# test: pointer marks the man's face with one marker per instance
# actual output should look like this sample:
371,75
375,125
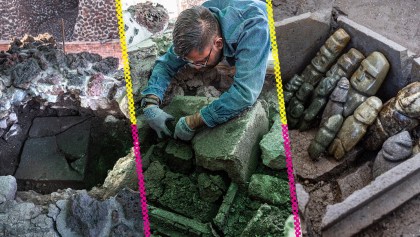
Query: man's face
209,57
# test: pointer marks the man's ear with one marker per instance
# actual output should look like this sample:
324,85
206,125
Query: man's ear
219,43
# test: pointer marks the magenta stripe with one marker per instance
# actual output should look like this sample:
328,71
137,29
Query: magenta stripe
142,188
289,165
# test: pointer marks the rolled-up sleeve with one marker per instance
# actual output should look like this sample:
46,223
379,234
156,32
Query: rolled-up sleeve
253,47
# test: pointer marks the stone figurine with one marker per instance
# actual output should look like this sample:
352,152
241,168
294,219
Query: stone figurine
395,150
337,100
399,113
291,87
355,126
325,57
296,105
321,93
365,82
347,64
325,136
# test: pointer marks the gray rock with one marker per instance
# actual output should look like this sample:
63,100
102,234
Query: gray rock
272,147
233,146
23,73
208,91
299,38
74,142
269,189
394,151
367,41
13,131
8,187
303,198
355,181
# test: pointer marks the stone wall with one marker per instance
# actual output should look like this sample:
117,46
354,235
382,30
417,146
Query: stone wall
84,20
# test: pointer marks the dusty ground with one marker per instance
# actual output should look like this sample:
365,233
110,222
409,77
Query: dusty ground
396,20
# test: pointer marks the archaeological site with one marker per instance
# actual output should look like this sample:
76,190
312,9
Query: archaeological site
350,75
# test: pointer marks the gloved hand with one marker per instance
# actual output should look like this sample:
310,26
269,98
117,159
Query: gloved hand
156,118
185,128
183,131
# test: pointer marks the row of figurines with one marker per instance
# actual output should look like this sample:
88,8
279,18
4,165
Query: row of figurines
347,108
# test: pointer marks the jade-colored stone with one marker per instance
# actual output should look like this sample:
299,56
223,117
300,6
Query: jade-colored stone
272,147
269,189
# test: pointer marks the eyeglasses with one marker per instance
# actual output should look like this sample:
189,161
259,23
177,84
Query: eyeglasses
198,64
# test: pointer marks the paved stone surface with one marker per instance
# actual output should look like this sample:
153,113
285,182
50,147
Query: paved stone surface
269,189
272,147
362,208
39,163
322,169
299,38
233,146
355,181
367,41
8,187
50,126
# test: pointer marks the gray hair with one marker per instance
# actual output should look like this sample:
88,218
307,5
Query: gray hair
194,29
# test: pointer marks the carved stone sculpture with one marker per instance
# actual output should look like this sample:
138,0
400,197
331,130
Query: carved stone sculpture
394,151
325,136
297,105
399,113
321,93
325,57
355,126
347,64
337,99
366,81
291,87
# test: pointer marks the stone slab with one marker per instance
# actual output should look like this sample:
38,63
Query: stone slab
269,189
298,39
355,181
173,224
39,163
415,70
368,205
400,59
50,126
322,169
272,147
233,147
74,142
222,215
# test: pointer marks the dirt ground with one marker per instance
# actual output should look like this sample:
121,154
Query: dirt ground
396,20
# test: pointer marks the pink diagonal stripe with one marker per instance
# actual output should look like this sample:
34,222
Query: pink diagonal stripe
289,165
142,188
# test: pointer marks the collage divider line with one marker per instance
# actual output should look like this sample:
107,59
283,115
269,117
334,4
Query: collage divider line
283,119
134,129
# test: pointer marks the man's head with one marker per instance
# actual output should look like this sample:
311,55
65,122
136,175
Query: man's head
197,38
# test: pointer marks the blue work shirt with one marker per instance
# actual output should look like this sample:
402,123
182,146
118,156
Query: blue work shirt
246,37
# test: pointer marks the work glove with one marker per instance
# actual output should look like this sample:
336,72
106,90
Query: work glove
157,118
185,128
183,131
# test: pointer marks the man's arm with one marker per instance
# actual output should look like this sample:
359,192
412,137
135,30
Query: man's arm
251,62
163,71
